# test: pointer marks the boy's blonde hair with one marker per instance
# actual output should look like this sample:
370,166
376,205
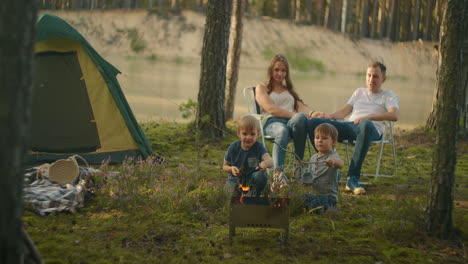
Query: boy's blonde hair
327,129
249,122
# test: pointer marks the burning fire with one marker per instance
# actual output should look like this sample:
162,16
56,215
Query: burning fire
280,203
244,188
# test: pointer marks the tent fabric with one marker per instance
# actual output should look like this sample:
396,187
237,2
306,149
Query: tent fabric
117,135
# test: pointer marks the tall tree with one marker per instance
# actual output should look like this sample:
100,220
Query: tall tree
383,18
283,10
375,19
438,19
391,28
17,36
344,13
175,4
365,19
465,73
357,25
428,17
416,19
213,69
335,14
405,11
235,47
322,14
296,10
438,215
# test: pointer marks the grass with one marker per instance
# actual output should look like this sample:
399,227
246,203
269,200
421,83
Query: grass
177,212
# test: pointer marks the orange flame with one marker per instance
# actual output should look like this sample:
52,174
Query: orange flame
244,188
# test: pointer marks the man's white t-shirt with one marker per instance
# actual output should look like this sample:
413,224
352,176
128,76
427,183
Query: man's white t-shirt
366,103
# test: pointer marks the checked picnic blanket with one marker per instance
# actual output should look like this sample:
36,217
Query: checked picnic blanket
45,196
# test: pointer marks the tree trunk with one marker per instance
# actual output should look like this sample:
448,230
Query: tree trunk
357,25
392,20
175,4
438,215
416,20
405,17
344,12
138,3
283,8
17,37
438,19
336,15
308,10
465,72
365,19
383,19
297,10
375,19
322,14
213,69
235,47
428,14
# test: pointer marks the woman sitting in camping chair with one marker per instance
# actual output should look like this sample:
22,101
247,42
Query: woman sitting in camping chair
287,113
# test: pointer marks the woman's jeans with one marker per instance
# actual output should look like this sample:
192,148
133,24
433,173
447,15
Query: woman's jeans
363,134
282,130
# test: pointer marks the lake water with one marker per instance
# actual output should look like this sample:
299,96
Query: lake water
155,90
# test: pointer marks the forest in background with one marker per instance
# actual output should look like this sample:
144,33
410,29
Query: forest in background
395,20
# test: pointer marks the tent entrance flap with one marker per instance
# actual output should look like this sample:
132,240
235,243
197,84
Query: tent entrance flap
62,120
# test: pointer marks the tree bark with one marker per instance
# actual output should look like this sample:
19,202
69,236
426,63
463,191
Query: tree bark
428,15
297,10
357,25
336,14
391,26
375,19
235,48
438,19
465,72
175,4
322,14
344,12
383,19
213,69
438,215
406,21
17,37
416,20
365,19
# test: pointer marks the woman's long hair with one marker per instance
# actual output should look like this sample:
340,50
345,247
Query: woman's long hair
287,79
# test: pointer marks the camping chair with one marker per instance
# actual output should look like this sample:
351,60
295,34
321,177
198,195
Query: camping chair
253,109
387,138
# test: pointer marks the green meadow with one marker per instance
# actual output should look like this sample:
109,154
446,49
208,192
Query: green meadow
177,212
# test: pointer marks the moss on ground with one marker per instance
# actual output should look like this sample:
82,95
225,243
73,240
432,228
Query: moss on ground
177,212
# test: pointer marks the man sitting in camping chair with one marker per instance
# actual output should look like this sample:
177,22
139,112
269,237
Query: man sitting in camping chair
368,107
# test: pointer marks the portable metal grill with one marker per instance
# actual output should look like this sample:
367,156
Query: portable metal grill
260,212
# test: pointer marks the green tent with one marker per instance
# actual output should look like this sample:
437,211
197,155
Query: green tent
78,106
